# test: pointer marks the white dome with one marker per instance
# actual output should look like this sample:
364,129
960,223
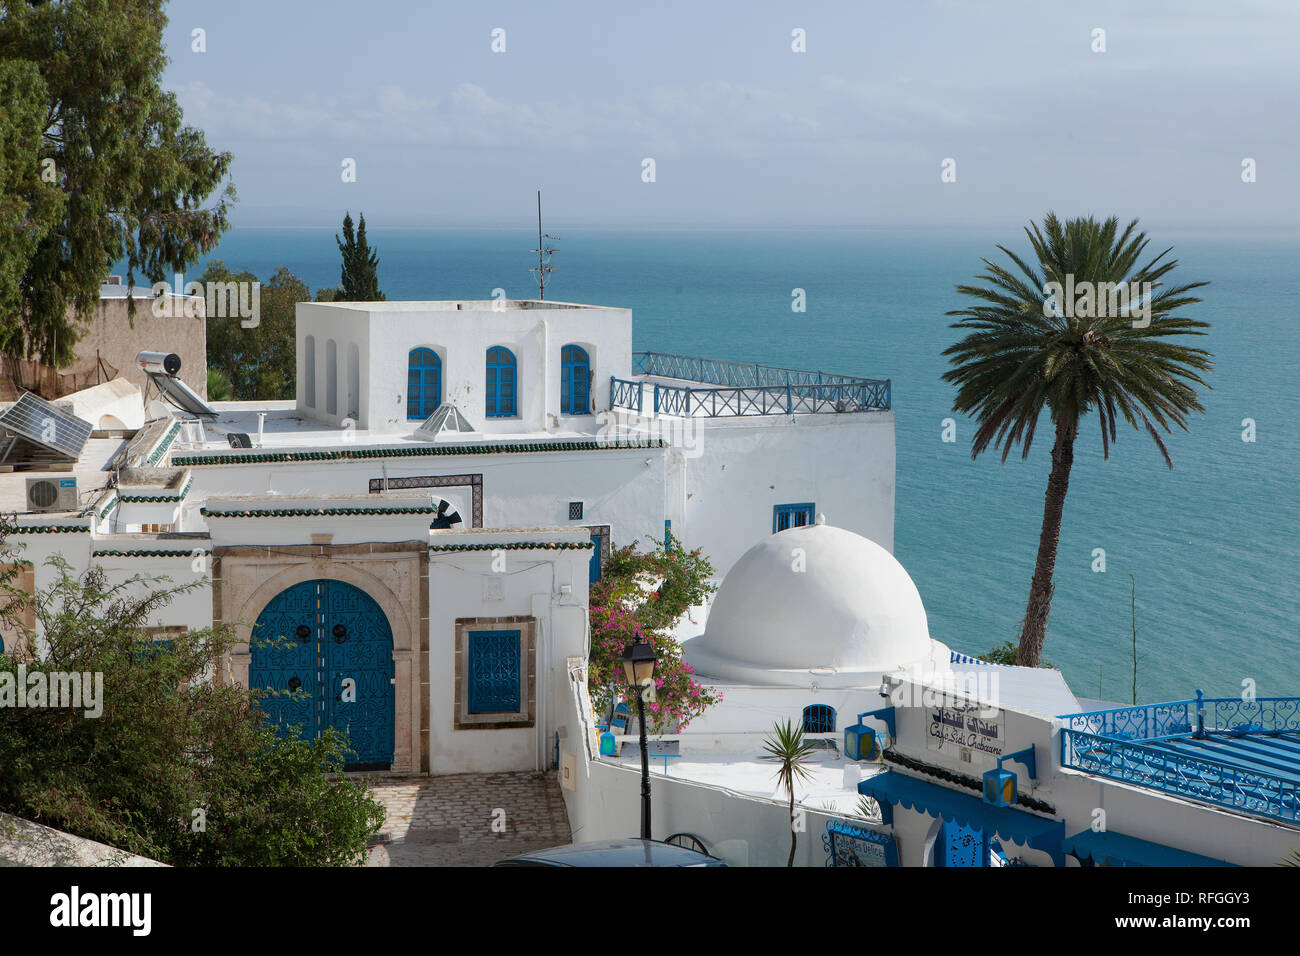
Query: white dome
814,603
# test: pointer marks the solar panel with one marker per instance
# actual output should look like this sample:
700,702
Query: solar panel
181,395
41,423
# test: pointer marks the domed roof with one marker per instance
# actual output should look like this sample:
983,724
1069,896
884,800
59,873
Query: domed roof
819,599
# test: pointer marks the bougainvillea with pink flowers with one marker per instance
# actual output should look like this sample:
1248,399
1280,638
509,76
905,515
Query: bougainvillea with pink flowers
643,595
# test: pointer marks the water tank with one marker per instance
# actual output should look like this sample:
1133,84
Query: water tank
159,363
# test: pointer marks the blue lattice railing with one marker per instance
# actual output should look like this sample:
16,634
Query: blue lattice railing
1138,745
734,389
624,394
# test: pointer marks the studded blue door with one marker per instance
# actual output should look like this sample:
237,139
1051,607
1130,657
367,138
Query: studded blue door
960,845
340,654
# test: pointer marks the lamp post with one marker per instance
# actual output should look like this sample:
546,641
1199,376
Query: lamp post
638,667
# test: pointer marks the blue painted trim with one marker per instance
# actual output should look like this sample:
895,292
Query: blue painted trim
1025,757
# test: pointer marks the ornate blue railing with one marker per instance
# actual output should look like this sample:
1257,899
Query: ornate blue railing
736,389
1125,743
1198,716
624,394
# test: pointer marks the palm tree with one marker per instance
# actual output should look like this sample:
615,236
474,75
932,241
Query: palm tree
791,751
1027,350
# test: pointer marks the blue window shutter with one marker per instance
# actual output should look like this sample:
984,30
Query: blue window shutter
423,383
494,679
502,384
785,517
575,381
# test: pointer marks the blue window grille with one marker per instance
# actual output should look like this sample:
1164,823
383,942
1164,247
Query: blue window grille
423,383
668,530
494,684
818,719
575,381
502,383
785,517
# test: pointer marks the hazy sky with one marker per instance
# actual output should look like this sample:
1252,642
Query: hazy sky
743,130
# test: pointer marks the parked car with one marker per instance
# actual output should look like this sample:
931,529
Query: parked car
614,853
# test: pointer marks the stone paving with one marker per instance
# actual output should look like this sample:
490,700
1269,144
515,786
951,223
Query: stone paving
468,819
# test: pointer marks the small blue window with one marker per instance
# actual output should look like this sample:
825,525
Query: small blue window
818,719
494,685
575,381
423,383
502,383
785,517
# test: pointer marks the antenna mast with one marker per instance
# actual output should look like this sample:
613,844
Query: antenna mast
544,253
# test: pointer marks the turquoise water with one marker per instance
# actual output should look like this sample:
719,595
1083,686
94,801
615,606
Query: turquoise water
1212,544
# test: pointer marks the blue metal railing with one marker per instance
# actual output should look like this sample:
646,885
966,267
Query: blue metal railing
735,389
1199,716
1124,743
624,394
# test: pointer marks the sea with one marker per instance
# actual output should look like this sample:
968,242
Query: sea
1202,561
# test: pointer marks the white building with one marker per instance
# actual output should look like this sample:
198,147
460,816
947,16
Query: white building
981,764
438,563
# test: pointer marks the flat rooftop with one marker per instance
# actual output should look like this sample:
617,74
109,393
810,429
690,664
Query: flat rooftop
90,471
461,305
284,428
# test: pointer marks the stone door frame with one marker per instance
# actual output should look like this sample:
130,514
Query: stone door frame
396,575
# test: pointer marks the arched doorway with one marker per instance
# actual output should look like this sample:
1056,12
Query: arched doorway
333,642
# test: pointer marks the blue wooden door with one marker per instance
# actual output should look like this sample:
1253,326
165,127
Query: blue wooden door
288,662
960,845
340,654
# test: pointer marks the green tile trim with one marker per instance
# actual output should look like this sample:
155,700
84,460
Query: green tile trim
153,499
516,546
406,451
316,512
160,452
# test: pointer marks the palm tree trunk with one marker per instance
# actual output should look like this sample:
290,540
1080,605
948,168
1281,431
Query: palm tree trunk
793,835
1034,632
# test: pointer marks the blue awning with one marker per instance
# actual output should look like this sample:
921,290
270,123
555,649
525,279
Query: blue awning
1117,849
893,788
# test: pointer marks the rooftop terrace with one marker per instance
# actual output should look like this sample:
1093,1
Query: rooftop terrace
709,388
1240,755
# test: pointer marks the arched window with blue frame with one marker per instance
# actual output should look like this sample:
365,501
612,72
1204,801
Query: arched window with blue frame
502,383
423,383
575,381
818,719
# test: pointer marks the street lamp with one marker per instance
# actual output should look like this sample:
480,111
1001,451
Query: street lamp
639,667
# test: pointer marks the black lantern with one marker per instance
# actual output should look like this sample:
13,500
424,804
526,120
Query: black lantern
639,668
639,663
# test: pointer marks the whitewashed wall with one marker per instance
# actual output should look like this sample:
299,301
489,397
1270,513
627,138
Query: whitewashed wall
461,333
531,586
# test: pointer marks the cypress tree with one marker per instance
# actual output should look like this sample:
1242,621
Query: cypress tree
359,276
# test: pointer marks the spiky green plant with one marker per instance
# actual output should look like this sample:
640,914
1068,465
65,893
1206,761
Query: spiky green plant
792,752
1026,352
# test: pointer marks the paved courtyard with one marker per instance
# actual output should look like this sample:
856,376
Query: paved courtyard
468,819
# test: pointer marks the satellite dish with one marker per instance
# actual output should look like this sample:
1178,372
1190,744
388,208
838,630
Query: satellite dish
156,409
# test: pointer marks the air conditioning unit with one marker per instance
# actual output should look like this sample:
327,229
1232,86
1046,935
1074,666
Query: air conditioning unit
52,494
